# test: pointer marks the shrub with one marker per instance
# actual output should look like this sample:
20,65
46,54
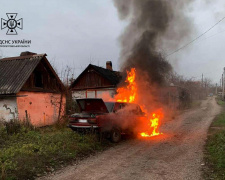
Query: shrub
15,126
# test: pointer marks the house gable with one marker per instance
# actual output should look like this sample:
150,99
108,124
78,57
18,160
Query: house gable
91,79
29,72
42,79
94,77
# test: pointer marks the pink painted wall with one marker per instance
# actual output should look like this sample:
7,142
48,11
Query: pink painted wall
42,108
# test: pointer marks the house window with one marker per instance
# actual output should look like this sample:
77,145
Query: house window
38,79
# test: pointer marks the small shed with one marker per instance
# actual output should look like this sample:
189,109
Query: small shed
30,90
96,82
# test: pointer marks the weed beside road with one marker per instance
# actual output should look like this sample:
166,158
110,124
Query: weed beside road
215,147
28,153
220,102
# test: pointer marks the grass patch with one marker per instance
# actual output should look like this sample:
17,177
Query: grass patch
220,102
219,121
27,153
215,156
215,148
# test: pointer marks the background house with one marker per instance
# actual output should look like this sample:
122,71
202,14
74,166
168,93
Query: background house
30,89
98,82
95,81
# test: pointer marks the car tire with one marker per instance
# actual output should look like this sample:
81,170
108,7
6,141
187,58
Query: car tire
115,135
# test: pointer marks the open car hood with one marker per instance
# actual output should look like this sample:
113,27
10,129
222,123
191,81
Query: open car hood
92,105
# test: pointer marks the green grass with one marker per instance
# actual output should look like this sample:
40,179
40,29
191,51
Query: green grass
219,121
215,149
220,102
30,152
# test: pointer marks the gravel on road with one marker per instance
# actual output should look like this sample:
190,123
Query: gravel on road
177,154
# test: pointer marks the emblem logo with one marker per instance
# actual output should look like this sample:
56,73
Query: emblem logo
11,23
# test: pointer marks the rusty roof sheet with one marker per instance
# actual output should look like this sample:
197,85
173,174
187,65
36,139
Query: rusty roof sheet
15,71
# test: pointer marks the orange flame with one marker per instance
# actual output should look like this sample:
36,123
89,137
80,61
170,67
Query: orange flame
154,124
129,93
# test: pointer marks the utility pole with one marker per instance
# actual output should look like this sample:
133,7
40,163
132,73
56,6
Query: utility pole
216,88
202,80
222,86
223,83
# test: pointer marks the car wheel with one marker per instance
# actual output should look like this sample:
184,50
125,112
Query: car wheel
115,135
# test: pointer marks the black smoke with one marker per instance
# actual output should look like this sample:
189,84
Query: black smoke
153,25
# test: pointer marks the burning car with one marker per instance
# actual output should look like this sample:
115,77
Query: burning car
86,119
112,118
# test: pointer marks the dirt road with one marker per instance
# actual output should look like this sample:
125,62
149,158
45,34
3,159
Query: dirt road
177,154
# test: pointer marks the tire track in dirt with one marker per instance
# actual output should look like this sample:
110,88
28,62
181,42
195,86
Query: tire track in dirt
177,154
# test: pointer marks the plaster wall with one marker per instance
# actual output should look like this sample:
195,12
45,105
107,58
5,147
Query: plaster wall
8,108
39,107
94,93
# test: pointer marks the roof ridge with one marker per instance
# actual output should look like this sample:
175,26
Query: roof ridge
104,68
22,57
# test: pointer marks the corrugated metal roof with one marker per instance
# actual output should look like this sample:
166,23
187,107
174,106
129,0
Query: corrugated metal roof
15,71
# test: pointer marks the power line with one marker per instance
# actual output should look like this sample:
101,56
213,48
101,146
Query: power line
212,35
196,38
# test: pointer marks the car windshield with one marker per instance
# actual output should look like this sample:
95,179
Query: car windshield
109,106
135,109
92,105
132,108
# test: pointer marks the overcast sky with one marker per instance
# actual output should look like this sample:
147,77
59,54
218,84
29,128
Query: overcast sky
79,32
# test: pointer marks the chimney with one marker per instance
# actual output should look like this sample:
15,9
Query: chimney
109,65
26,53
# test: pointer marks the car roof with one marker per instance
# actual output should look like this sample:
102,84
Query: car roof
119,102
106,101
87,98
